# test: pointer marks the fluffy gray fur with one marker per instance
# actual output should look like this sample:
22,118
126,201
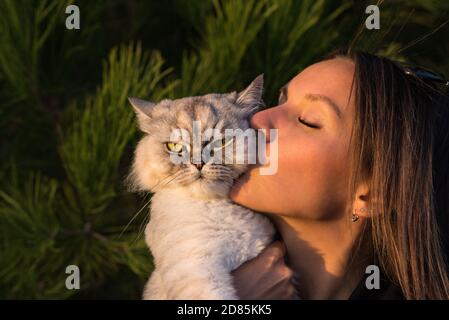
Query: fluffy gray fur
196,235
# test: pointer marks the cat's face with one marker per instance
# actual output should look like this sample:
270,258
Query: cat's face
167,156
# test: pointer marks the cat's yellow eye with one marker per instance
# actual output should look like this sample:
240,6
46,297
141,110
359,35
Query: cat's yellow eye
174,147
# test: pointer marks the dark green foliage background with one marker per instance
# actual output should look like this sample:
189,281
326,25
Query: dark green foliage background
68,133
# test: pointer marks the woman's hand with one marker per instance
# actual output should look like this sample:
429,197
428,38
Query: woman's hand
266,276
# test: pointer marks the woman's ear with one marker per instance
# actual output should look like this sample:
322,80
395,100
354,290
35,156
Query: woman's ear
362,201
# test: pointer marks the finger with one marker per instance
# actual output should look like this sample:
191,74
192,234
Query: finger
283,247
276,249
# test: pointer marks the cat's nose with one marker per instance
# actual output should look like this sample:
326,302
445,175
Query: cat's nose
199,165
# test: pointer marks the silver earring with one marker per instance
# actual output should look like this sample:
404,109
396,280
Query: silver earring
355,216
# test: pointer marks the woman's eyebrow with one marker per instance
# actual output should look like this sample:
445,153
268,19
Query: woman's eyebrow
328,101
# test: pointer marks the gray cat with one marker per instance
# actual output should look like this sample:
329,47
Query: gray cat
196,235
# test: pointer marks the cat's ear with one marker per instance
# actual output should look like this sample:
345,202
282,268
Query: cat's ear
251,97
142,108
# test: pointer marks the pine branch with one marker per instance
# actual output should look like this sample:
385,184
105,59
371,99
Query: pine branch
43,220
98,132
227,36
25,26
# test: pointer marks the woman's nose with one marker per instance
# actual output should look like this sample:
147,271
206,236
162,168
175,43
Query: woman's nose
263,120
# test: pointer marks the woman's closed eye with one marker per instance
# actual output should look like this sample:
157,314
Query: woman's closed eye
308,124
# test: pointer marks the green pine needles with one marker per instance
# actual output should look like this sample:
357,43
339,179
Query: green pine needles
68,131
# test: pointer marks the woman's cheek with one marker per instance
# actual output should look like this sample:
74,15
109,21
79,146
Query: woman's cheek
302,183
299,183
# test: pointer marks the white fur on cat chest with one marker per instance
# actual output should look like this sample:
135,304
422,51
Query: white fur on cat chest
196,244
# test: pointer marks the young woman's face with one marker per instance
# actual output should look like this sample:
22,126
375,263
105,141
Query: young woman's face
314,122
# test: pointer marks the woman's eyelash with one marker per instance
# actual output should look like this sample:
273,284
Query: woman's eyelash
281,98
310,125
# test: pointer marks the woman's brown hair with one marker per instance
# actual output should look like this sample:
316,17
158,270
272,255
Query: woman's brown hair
400,147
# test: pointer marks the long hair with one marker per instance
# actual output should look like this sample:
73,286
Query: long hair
400,146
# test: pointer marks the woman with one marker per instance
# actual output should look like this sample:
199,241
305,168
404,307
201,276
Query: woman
362,180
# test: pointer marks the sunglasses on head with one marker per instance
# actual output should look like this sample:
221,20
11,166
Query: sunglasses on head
426,75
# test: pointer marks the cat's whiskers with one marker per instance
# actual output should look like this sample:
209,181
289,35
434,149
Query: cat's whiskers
142,228
135,216
179,177
173,176
144,207
188,178
220,170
